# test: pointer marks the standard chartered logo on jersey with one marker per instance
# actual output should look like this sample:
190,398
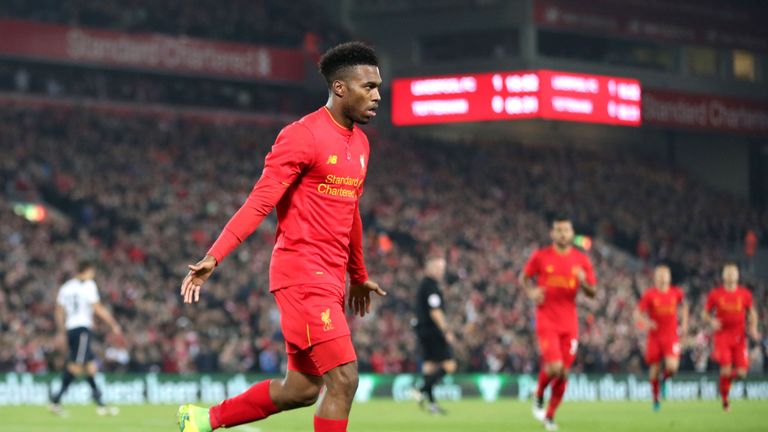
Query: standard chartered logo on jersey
340,186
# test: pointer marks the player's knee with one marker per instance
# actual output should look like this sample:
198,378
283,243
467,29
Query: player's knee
344,380
556,369
450,366
306,396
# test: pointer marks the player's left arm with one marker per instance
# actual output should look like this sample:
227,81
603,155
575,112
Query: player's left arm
587,279
356,264
360,287
104,314
752,321
61,331
685,311
641,314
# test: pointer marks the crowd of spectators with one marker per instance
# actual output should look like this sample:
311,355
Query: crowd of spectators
285,23
143,196
63,82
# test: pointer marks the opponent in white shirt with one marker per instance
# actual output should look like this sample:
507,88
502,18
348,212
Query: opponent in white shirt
76,303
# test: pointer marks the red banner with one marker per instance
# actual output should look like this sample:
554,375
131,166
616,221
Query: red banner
150,51
673,109
516,95
647,22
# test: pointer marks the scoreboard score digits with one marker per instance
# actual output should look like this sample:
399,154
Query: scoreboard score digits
516,95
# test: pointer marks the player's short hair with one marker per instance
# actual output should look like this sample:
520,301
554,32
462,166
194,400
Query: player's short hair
559,218
333,63
84,265
663,265
730,263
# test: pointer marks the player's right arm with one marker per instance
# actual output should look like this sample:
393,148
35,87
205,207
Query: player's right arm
531,270
707,316
684,317
641,313
435,302
754,333
60,315
103,313
438,316
291,154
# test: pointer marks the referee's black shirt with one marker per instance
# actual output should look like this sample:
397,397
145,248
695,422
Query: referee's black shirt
429,297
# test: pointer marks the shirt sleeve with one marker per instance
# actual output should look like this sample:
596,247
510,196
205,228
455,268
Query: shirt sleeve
747,299
532,266
60,296
291,154
590,271
644,300
356,264
93,293
710,301
434,301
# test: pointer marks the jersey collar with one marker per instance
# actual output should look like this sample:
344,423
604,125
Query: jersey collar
338,127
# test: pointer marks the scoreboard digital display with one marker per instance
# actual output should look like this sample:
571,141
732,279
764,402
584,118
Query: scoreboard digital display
516,95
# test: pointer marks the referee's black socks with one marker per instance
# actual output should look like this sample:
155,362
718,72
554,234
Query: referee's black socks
430,381
66,380
94,390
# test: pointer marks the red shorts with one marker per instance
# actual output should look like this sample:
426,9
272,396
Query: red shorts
660,347
731,349
317,337
558,346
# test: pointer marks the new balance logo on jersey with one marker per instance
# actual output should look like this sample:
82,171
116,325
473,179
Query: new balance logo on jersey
332,159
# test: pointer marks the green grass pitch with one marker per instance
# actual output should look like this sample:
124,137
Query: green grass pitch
385,415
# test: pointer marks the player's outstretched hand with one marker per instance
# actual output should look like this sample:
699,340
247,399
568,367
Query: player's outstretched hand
198,274
360,296
536,295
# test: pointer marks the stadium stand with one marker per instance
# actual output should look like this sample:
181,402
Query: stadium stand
142,193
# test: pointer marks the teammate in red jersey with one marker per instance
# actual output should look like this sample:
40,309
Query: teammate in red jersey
314,176
730,303
657,311
552,278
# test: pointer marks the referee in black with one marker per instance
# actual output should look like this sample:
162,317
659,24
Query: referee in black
432,330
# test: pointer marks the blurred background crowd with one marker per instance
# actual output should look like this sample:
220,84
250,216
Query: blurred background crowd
143,193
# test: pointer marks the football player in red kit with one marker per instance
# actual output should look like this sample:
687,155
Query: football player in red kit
552,278
731,304
657,311
314,177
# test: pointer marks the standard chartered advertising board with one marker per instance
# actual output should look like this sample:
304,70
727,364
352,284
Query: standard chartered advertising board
24,389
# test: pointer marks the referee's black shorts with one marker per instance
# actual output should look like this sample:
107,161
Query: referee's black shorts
434,347
79,341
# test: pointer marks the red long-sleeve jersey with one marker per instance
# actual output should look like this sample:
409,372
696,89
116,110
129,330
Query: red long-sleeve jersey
314,176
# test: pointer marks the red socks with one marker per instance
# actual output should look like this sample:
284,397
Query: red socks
558,390
725,387
329,425
544,381
655,389
256,404
251,405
